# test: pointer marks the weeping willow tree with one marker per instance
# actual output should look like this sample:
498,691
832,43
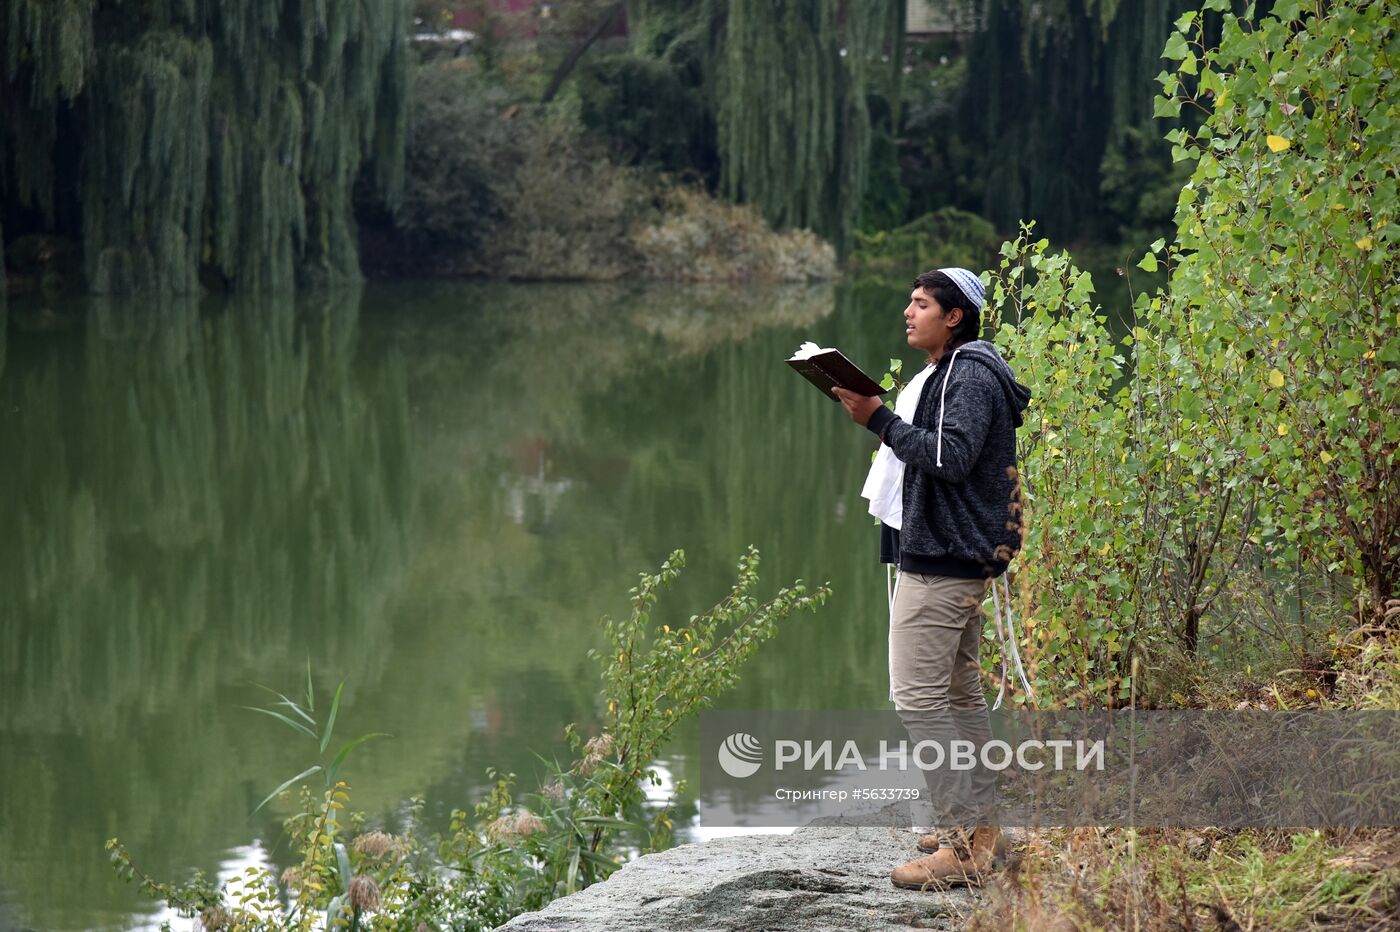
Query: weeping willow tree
789,84
181,139
1054,119
1051,87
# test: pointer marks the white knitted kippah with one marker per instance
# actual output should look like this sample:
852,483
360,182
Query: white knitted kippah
968,283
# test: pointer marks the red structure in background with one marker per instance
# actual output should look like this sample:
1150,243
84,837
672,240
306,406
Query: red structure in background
518,19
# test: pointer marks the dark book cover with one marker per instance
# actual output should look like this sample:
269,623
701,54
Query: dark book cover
826,368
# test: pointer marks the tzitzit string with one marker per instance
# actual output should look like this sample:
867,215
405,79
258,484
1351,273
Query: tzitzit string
1008,639
1006,635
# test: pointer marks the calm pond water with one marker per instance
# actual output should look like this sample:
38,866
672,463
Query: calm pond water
434,492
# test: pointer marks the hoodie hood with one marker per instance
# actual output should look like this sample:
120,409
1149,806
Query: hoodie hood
1018,396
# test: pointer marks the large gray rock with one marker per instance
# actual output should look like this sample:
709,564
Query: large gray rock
817,878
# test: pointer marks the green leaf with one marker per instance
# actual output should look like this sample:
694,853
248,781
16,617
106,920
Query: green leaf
607,821
1148,263
330,719
1176,47
345,752
282,718
595,858
286,783
342,863
310,690
571,877
288,703
333,911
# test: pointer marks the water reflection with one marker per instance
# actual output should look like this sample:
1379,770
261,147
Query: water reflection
433,491
196,498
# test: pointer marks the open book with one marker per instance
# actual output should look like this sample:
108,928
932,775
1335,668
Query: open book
825,367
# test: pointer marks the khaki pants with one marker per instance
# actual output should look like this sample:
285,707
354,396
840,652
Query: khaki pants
936,686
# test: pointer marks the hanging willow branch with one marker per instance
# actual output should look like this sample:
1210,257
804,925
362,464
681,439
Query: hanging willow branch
788,82
1051,85
217,136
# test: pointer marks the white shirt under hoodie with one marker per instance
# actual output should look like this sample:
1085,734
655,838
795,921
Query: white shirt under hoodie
884,484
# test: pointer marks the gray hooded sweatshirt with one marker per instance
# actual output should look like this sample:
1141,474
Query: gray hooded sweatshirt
962,505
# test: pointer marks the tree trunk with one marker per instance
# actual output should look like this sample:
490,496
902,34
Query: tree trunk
567,65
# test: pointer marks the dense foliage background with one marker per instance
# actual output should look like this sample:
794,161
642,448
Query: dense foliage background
142,152
1187,217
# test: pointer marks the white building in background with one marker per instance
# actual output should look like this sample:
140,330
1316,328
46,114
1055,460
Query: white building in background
940,17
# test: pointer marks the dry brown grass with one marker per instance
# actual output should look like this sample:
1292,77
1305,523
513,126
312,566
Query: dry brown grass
1173,879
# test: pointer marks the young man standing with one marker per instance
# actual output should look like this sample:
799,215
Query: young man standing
944,486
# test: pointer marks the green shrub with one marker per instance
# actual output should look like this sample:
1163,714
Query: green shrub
701,239
945,237
459,154
502,189
651,111
569,209
1285,281
1253,443
1078,581
509,855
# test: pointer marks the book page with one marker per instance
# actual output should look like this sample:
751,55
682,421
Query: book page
809,349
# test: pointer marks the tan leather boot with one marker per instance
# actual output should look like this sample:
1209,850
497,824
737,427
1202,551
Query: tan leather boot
963,863
988,847
934,840
937,871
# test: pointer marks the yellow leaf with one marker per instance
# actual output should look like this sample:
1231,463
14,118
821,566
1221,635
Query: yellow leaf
1325,457
1276,378
1277,143
1364,243
1282,429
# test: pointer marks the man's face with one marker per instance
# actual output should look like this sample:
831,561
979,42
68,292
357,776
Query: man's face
927,328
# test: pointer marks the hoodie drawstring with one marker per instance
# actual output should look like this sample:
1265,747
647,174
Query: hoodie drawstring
938,453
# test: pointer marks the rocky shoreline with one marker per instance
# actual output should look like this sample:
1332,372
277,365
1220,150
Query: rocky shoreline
818,878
